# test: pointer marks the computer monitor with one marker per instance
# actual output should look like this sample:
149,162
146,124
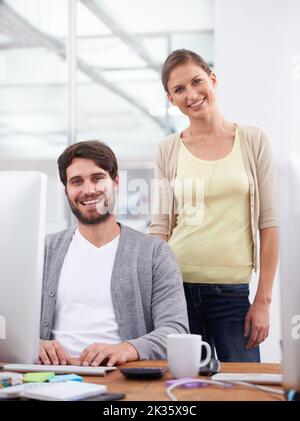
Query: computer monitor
289,200
22,235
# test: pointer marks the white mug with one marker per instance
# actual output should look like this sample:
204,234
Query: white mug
184,354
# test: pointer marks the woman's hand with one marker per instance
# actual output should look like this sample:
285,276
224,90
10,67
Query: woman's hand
257,324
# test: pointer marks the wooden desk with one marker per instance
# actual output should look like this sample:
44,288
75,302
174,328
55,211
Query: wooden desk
155,390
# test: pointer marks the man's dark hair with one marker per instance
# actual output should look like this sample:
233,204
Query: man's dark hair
95,150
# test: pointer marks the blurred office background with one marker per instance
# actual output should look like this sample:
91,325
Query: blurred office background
90,69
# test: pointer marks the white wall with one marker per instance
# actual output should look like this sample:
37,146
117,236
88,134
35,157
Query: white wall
257,61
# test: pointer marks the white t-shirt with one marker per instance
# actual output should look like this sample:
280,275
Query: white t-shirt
84,311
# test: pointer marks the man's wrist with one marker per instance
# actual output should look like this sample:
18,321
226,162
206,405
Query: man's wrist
132,352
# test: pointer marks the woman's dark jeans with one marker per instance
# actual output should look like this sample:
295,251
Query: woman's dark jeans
217,312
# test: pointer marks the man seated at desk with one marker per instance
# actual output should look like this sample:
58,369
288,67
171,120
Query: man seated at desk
110,294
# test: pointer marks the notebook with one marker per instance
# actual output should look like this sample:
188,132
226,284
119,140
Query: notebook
62,391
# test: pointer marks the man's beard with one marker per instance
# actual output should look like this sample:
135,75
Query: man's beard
101,217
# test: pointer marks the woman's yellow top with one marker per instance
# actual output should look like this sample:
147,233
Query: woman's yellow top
212,237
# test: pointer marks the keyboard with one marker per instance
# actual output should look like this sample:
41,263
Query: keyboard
258,378
59,369
64,391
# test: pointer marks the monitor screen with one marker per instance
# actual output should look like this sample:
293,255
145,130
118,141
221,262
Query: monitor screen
22,235
289,200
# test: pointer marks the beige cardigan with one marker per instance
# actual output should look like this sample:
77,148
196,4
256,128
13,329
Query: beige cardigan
261,170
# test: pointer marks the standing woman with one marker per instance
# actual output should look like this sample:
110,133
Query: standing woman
215,190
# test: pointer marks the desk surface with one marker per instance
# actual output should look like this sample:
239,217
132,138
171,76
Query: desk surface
155,390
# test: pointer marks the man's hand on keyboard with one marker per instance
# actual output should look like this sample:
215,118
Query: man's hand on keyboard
51,352
96,354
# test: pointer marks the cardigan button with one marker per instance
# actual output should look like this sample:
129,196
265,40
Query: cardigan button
45,323
52,293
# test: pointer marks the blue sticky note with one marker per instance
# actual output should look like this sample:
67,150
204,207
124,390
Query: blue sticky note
67,377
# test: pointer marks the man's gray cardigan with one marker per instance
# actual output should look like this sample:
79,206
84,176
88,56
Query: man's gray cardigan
146,288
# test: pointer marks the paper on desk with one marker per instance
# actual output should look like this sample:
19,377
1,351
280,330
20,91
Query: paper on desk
8,379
